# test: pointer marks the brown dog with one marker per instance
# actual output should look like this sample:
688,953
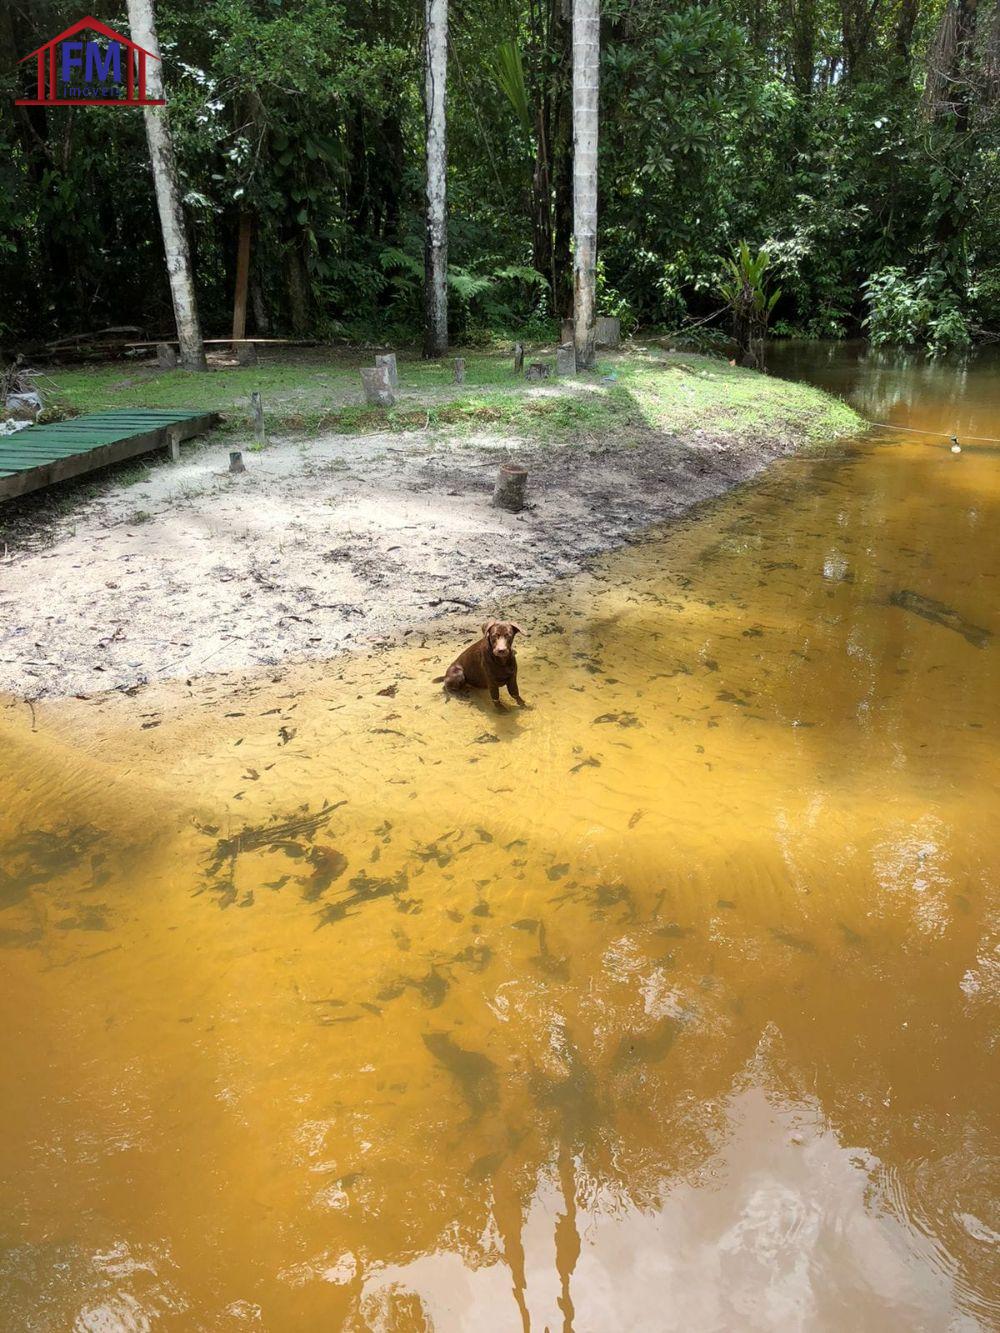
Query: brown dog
489,663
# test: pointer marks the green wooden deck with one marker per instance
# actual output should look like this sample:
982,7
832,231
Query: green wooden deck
42,455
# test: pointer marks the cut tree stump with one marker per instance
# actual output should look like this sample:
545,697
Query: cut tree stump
566,360
608,332
518,358
459,369
236,461
246,354
166,357
508,493
257,408
378,388
388,360
538,370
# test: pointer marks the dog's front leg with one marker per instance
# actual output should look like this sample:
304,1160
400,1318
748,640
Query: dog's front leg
513,691
495,696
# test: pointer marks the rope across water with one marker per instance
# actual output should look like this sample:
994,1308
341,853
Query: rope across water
940,434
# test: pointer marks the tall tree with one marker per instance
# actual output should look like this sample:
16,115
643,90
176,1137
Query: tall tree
436,243
562,154
168,195
586,88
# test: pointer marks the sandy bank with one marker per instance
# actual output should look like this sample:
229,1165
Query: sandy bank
334,543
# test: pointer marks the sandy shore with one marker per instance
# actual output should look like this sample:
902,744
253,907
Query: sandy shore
336,543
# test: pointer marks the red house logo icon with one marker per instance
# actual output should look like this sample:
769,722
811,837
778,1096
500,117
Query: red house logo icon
90,65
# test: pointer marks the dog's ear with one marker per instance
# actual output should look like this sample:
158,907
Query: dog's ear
487,624
515,629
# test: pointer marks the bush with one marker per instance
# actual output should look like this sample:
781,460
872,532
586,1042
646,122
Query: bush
912,310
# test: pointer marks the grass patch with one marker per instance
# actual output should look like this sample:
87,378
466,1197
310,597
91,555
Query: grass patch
316,390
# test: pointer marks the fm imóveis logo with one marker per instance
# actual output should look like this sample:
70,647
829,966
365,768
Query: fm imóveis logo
90,65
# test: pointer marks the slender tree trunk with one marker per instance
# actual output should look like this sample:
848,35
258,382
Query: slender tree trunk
586,79
297,286
242,277
541,191
949,91
436,246
804,27
562,155
906,20
261,314
168,194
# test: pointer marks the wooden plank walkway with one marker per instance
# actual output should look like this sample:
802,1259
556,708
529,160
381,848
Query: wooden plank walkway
42,455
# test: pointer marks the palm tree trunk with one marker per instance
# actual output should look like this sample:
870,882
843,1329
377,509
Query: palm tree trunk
436,245
168,194
586,81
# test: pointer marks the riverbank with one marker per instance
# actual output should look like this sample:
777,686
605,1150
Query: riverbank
355,526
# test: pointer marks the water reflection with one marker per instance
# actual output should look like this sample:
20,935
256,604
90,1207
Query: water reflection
949,394
667,1004
781,1227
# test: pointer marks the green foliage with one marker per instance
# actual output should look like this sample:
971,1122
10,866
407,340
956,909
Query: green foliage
919,310
875,193
510,76
745,286
746,290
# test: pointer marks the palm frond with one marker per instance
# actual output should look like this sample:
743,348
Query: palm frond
510,76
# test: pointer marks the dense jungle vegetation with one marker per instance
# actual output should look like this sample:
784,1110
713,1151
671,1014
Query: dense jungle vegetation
858,139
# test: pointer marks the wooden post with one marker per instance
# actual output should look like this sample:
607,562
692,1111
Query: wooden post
378,390
518,358
257,407
608,332
566,360
459,369
166,357
242,279
388,360
174,443
509,490
236,461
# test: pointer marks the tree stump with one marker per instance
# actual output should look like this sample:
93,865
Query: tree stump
753,355
609,332
388,360
538,370
236,461
246,354
257,408
566,360
508,493
518,358
378,389
166,357
459,369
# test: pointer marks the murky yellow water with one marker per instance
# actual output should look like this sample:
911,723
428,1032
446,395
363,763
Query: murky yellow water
667,1004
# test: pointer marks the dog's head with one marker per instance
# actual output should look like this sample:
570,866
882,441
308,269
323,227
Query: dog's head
499,636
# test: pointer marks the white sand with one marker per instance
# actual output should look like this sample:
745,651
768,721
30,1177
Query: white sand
322,546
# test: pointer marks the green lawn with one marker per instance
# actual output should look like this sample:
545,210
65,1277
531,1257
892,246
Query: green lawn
319,389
